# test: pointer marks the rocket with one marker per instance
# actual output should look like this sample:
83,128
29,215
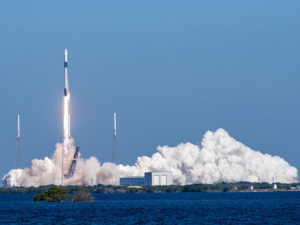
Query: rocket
66,120
115,142
67,96
66,90
115,124
19,130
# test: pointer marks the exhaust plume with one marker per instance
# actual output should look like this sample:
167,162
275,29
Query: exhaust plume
218,158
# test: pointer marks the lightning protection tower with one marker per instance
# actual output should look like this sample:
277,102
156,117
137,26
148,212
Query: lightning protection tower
115,142
19,162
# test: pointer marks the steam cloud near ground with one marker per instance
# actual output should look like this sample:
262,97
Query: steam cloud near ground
218,158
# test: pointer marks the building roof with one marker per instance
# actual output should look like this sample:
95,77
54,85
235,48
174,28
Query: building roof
132,177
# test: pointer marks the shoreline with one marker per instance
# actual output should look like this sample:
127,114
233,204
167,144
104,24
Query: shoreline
241,187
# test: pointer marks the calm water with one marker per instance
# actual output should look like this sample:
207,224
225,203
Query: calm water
157,208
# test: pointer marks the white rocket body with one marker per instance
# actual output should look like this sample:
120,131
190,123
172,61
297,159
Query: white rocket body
66,90
115,124
115,142
19,129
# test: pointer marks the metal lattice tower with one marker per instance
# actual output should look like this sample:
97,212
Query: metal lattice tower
73,163
19,161
115,142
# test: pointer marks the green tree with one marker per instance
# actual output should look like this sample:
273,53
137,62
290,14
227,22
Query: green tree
54,194
82,196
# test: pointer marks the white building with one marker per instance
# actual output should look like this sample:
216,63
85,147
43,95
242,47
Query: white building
158,178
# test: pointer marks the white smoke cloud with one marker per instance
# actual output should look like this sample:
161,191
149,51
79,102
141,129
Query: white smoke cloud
218,158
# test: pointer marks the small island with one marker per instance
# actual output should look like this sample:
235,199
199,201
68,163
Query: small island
60,194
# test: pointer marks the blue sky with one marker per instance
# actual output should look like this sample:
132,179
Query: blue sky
170,69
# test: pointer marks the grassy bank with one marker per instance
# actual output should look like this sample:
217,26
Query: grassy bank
222,187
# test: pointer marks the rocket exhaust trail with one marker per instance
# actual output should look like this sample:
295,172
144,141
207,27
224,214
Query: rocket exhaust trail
66,118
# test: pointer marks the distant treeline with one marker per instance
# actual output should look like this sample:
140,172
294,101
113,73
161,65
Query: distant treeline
221,187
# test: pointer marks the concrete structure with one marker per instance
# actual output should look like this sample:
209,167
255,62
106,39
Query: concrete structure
158,178
129,181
